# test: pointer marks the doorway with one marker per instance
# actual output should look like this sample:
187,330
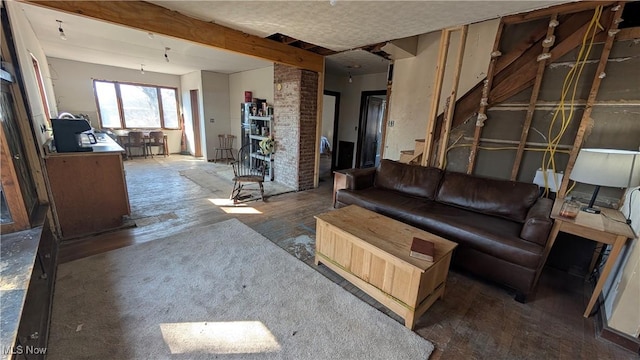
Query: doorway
372,105
195,120
329,135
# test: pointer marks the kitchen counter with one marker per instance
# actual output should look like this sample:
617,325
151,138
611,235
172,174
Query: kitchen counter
105,144
18,252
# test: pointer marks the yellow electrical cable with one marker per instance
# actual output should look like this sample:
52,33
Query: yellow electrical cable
444,166
569,78
570,81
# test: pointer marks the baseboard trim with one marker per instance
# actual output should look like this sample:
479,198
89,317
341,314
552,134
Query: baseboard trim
619,338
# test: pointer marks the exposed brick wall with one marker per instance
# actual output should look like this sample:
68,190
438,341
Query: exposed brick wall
308,122
294,126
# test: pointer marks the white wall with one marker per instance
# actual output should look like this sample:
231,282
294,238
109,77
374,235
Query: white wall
259,82
73,84
215,96
413,79
188,82
350,96
27,45
622,291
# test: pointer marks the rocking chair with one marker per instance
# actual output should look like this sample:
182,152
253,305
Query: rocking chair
247,169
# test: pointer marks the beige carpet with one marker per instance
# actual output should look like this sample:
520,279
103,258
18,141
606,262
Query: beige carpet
219,178
221,291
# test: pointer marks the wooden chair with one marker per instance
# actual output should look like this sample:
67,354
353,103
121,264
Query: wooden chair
135,139
156,138
247,169
225,148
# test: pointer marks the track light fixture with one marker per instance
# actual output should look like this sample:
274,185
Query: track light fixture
350,79
60,31
166,57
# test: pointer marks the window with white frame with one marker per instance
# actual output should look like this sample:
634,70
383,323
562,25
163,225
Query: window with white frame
128,106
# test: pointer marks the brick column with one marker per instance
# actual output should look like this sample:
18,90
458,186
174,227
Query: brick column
294,125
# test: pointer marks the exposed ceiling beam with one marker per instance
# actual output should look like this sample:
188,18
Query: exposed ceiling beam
156,19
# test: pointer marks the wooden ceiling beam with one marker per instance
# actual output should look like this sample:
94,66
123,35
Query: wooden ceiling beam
158,20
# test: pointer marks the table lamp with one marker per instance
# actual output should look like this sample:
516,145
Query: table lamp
606,167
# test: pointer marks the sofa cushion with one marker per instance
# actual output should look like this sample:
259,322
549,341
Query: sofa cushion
409,179
488,234
507,199
390,203
485,233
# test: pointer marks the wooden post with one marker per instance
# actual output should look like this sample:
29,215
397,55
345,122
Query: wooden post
448,117
445,35
385,116
542,64
484,103
316,168
593,93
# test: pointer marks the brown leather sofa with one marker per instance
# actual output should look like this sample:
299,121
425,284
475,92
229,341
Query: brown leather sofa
501,226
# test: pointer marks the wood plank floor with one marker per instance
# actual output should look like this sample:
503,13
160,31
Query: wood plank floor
475,320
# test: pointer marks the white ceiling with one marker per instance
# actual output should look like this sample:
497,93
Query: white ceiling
107,44
343,26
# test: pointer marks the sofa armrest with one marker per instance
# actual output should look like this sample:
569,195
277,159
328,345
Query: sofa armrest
538,223
358,179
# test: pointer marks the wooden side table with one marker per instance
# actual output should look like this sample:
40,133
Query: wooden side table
607,228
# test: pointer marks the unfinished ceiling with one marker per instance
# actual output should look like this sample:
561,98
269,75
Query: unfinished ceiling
347,24
334,25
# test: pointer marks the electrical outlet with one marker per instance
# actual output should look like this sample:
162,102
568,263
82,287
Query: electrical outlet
212,120
391,123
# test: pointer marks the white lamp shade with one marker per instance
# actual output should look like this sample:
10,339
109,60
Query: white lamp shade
607,167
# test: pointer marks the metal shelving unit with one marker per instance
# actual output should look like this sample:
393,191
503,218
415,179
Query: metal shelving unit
261,130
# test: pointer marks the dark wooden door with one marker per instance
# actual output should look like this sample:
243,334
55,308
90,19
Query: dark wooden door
370,145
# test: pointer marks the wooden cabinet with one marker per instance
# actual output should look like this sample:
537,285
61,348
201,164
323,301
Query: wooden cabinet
372,252
261,131
89,192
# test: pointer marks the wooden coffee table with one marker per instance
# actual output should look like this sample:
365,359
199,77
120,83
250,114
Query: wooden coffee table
372,252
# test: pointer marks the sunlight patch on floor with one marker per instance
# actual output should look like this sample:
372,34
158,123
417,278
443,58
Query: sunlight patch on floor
228,206
222,202
233,337
240,210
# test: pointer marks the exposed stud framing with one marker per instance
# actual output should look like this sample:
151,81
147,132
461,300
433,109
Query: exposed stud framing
593,93
445,36
484,104
448,117
316,167
385,116
542,64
